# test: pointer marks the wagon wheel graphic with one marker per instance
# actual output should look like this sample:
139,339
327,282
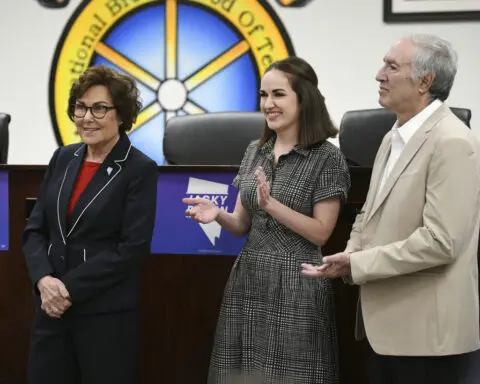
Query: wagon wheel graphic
186,59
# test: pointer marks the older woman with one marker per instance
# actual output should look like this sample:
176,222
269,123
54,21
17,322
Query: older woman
86,239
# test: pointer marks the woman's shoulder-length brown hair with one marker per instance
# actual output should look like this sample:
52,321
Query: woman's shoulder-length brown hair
315,123
123,91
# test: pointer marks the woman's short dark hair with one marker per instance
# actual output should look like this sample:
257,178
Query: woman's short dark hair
123,90
315,123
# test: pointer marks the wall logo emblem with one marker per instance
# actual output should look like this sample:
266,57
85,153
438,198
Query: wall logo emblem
188,57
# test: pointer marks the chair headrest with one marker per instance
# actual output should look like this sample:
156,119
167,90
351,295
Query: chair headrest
4,118
4,137
362,132
212,138
463,114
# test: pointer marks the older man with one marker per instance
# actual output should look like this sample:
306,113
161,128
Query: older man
413,247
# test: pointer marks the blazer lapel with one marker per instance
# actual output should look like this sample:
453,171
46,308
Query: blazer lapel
408,153
66,188
105,174
377,172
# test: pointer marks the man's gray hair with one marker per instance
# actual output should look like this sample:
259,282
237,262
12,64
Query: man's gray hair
437,56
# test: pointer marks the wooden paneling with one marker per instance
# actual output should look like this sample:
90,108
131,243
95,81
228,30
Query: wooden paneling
180,298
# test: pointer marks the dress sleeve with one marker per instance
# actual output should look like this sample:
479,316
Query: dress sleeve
334,178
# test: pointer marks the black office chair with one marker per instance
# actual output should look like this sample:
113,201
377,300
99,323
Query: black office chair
362,131
4,121
211,139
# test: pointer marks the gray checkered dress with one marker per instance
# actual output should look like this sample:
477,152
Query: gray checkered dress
275,325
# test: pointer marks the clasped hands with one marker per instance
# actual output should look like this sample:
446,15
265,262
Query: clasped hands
54,295
205,211
337,265
263,188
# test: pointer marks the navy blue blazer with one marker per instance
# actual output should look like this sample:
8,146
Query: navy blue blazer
99,251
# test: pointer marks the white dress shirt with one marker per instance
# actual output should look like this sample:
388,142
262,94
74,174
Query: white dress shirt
401,136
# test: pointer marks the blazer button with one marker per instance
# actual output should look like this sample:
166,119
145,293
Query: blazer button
62,257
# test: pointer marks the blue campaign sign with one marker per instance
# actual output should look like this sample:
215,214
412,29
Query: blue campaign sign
3,211
176,233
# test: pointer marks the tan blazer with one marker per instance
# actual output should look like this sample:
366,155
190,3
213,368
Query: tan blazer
417,268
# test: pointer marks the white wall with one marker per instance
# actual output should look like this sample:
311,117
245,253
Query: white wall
344,40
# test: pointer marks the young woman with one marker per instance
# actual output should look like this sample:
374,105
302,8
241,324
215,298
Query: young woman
275,325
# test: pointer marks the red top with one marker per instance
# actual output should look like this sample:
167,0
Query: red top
85,174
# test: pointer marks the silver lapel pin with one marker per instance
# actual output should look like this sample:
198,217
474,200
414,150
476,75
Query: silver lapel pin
109,170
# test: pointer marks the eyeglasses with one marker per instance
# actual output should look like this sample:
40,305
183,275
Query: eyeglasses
97,110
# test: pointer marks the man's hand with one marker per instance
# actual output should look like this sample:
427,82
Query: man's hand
333,266
54,295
